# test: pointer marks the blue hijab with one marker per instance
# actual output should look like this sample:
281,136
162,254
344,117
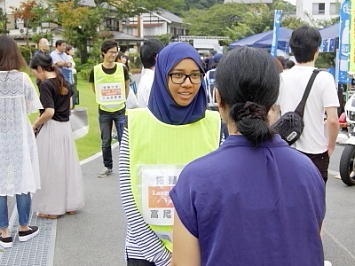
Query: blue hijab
160,102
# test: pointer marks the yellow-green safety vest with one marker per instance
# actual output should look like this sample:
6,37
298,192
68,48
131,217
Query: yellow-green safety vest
110,89
157,154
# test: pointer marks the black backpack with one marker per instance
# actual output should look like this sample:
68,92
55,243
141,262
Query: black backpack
290,125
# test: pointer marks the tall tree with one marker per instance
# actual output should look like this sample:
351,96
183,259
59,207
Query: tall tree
202,4
79,24
234,20
24,12
3,21
292,22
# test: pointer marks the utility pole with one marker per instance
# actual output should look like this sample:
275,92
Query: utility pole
140,26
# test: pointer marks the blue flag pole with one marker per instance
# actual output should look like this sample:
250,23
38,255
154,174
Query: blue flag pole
275,33
344,43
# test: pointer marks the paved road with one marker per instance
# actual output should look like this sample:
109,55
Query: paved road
94,236
338,230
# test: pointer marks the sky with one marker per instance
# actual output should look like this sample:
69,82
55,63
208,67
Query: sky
292,1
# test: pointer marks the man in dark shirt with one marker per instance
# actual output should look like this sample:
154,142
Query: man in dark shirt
43,47
110,84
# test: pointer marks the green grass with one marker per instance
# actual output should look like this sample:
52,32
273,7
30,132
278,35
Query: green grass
90,143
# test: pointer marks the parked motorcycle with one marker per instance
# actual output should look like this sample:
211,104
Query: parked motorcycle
347,161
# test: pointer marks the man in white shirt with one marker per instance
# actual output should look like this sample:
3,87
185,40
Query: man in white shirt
320,116
148,53
62,61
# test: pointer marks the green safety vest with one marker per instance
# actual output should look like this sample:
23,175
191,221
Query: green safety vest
110,89
158,152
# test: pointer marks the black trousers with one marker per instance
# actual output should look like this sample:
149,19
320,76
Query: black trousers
322,162
134,262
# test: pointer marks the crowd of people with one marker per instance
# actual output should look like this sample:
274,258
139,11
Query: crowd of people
204,178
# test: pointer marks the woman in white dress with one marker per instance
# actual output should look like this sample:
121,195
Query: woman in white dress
19,170
61,179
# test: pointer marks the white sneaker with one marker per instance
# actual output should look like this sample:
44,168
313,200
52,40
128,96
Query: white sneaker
29,234
5,242
105,172
327,263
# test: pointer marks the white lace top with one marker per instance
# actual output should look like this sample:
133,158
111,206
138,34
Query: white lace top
19,169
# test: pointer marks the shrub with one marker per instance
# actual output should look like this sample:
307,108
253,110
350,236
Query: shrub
26,52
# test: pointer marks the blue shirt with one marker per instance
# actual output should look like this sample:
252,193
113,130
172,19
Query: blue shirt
63,57
253,206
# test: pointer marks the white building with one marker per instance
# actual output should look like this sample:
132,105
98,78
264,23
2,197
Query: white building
317,10
16,27
155,23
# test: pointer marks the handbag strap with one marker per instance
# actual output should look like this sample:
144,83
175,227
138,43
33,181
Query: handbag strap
302,104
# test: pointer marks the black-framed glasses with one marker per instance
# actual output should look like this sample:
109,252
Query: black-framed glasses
179,78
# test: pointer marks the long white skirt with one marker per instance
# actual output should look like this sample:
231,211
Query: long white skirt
61,178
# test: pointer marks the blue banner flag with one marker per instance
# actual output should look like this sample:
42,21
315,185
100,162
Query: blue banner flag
275,33
344,43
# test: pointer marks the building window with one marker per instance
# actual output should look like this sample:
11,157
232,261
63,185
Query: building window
112,24
318,9
151,19
334,8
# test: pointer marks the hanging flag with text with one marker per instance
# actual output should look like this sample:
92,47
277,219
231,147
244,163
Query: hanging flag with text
275,33
344,43
352,38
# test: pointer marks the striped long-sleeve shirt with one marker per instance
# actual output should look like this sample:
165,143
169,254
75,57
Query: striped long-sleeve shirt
141,242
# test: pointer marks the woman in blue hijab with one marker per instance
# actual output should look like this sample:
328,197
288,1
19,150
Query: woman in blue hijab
164,104
158,142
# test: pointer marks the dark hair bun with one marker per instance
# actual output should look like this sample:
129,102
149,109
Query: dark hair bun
248,110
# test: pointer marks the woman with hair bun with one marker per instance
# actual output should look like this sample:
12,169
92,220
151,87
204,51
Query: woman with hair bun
61,180
254,201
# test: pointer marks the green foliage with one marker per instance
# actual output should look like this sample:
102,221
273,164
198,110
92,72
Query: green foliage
234,20
84,70
201,4
292,23
175,6
322,23
164,38
326,23
215,20
286,7
133,7
79,24
325,60
26,52
37,36
3,22
90,143
135,63
40,14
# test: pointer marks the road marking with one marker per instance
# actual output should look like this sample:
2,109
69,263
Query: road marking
339,244
97,155
50,260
